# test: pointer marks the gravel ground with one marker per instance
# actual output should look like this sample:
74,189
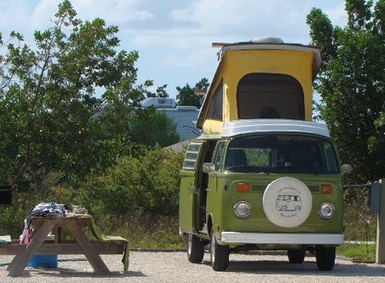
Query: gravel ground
173,267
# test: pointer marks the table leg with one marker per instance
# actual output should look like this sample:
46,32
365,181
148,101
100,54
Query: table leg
21,260
85,245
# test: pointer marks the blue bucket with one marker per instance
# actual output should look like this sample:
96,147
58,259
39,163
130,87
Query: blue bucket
48,261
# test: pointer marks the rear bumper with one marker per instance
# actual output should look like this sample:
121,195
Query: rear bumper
281,238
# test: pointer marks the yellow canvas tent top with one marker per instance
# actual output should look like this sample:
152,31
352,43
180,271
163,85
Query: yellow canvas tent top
263,78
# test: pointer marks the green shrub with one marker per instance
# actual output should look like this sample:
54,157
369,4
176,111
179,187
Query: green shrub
148,184
359,225
359,222
12,220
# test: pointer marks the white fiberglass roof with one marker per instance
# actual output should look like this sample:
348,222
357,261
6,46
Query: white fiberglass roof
238,127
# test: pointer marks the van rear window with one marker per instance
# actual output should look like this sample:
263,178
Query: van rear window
281,153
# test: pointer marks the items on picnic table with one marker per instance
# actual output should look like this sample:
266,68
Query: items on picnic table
55,210
52,210
43,209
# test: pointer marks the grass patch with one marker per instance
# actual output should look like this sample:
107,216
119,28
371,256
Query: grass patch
145,231
364,252
161,232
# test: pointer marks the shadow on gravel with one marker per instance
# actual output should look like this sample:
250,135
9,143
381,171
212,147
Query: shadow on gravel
345,269
66,272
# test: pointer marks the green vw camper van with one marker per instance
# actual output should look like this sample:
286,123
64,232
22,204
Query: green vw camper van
261,176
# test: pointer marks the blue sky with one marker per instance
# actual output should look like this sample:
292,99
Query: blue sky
174,37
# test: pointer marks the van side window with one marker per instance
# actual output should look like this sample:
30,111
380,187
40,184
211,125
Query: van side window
190,160
331,161
218,156
216,104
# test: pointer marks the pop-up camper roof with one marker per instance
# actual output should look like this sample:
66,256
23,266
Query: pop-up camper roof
263,78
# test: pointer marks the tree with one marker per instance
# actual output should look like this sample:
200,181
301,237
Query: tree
159,92
64,104
186,95
150,128
352,83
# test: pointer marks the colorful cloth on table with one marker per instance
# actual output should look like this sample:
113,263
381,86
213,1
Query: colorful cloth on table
51,209
43,209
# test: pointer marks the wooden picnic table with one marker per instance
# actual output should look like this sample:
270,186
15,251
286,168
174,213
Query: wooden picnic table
81,244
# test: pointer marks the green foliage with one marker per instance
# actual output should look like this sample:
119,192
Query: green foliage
12,220
159,232
359,225
147,184
137,190
351,83
159,92
150,127
144,90
359,252
64,103
359,222
186,95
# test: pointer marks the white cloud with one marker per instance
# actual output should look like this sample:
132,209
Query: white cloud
112,11
43,13
240,17
196,58
13,15
337,15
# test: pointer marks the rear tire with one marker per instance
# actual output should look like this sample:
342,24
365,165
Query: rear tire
296,256
325,258
195,249
219,254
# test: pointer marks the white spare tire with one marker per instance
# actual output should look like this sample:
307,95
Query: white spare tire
287,202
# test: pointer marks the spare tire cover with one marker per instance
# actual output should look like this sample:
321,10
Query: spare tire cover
287,202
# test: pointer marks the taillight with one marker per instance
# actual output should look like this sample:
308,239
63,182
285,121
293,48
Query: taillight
326,189
243,187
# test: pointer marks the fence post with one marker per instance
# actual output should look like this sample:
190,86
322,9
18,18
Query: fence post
380,245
